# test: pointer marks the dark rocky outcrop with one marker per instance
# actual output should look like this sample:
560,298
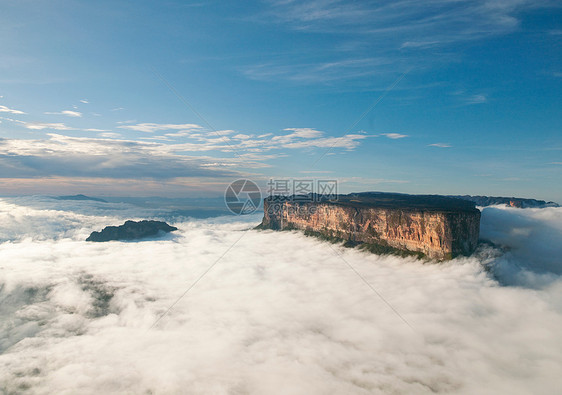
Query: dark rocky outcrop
484,201
438,227
131,230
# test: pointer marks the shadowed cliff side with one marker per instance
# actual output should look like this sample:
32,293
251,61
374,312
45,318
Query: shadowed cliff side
438,227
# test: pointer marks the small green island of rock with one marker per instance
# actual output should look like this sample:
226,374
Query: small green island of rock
131,230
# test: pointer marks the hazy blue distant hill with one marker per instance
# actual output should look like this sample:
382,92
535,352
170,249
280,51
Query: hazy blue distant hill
80,197
508,201
173,207
187,207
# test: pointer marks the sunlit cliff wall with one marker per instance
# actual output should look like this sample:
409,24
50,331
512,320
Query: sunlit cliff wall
437,234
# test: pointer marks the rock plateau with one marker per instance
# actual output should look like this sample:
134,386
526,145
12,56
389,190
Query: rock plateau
131,230
437,227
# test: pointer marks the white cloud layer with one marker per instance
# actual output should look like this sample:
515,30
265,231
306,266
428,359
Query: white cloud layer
532,237
280,313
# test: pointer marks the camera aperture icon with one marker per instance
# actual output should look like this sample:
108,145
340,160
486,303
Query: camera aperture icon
242,197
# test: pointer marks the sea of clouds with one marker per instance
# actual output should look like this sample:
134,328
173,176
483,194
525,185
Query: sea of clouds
279,313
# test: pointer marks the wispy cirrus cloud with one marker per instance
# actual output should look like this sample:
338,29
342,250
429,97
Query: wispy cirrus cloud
312,138
95,130
404,20
46,125
10,110
319,71
476,99
465,97
201,139
394,136
305,133
154,127
401,33
419,44
241,136
348,142
440,145
299,138
59,126
110,135
38,125
67,113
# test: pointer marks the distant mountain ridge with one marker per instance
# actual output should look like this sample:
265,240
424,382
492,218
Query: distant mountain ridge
509,201
80,197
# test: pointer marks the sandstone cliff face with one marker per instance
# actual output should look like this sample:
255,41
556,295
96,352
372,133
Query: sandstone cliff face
439,234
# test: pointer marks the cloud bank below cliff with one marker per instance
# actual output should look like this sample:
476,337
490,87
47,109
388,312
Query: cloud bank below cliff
279,313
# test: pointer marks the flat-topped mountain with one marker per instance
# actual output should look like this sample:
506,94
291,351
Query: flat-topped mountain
131,230
436,226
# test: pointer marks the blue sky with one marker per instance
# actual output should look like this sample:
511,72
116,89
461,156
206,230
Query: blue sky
179,98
